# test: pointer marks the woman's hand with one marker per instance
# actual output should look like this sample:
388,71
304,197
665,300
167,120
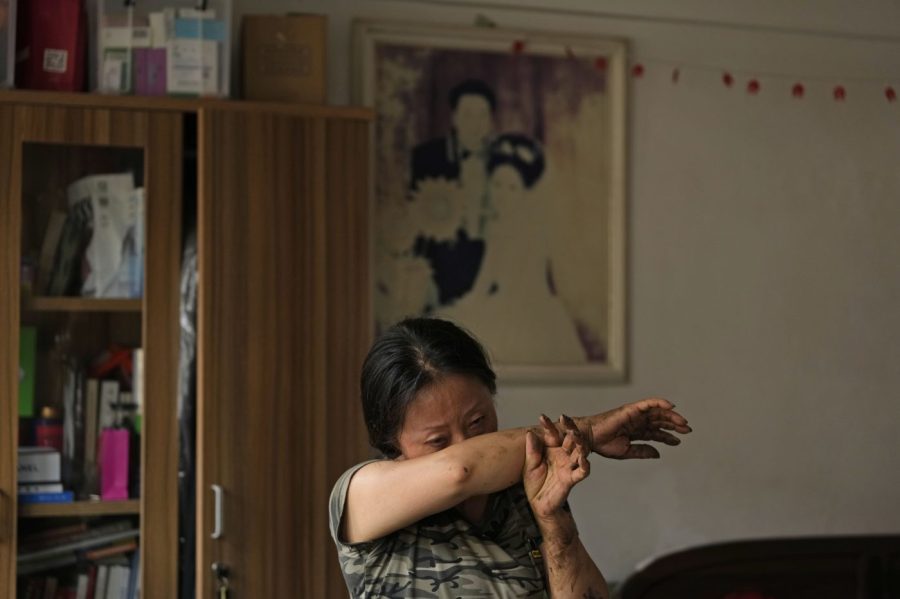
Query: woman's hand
612,434
553,468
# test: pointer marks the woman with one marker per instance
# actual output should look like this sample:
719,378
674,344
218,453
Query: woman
513,285
457,508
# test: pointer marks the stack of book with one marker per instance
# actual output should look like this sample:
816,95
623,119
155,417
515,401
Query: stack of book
40,476
81,561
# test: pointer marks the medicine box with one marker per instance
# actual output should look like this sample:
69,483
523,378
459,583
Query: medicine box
163,47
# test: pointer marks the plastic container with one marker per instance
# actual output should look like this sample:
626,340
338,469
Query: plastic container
7,42
163,47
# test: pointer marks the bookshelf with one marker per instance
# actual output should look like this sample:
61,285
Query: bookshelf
282,315
78,509
46,148
80,304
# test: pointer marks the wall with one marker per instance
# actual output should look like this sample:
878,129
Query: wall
764,270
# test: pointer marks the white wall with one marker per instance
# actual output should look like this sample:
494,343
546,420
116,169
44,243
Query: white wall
764,271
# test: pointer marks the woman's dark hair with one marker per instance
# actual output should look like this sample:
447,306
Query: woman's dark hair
472,87
408,357
520,152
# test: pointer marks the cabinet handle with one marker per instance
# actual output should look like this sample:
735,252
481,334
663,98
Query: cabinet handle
218,495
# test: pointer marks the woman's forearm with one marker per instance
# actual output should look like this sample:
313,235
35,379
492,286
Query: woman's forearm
571,573
486,463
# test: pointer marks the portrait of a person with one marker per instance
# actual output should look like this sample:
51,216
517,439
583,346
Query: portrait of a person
492,205
514,282
448,178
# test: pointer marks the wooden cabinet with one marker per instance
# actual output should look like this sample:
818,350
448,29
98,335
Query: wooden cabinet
283,320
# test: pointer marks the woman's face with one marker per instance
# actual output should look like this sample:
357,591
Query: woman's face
507,188
451,410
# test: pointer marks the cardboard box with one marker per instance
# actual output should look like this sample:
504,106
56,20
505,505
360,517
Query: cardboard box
284,58
39,465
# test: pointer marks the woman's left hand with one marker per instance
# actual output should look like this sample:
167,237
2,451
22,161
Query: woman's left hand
551,472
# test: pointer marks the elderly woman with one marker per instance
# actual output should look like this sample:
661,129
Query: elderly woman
456,508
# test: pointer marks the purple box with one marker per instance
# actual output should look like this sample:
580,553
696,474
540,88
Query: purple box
150,71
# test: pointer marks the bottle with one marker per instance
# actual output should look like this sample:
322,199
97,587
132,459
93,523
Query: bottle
48,429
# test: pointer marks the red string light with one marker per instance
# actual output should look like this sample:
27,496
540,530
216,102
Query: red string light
637,70
797,90
890,94
518,47
840,94
676,75
727,79
753,87
600,64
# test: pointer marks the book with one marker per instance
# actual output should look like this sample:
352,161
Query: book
117,582
137,387
134,579
64,280
94,537
117,549
27,364
52,235
81,586
91,414
52,536
61,497
39,465
102,577
30,489
109,396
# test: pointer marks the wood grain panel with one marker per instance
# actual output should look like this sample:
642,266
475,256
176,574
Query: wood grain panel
159,136
273,250
161,336
349,320
10,226
175,104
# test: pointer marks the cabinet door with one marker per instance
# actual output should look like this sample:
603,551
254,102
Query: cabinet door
284,323
74,137
9,354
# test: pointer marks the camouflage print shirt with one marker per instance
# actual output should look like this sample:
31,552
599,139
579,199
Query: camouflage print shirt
444,556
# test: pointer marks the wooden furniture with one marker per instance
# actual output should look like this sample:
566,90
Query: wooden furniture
283,320
832,567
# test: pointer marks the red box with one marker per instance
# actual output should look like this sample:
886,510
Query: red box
51,39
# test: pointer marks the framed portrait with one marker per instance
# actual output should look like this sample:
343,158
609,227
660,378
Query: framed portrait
499,191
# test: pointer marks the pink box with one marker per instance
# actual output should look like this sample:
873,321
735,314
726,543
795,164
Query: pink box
114,464
150,71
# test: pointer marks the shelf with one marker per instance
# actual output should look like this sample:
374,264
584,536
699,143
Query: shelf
82,304
80,508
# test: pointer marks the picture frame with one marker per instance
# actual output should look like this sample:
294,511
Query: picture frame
499,191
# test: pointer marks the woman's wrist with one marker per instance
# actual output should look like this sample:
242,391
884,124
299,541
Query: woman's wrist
587,432
557,529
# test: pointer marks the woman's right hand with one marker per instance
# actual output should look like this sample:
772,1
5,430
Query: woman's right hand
551,470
